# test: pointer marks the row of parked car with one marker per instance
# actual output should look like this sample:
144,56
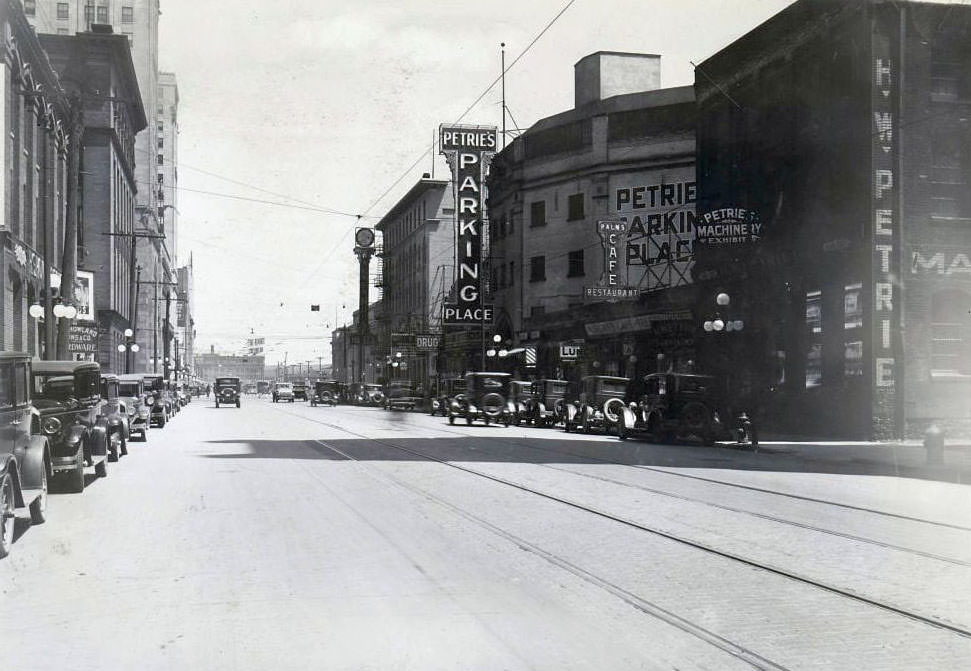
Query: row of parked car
57,418
663,407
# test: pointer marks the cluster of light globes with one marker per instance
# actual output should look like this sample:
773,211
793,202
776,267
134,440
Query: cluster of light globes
718,324
132,346
492,351
60,310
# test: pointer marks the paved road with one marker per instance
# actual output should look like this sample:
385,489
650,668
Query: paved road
288,537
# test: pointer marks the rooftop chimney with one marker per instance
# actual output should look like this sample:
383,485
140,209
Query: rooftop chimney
610,73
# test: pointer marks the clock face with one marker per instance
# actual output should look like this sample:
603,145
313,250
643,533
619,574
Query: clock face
364,237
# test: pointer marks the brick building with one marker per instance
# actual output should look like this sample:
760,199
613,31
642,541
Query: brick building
250,369
35,120
589,300
101,61
416,262
841,128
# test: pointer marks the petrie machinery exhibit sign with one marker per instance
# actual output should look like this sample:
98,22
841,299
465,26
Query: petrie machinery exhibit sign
659,208
468,150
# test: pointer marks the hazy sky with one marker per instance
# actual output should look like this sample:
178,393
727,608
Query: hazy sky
324,104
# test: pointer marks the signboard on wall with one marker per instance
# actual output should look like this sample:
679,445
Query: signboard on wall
728,226
82,339
427,342
659,209
612,284
469,151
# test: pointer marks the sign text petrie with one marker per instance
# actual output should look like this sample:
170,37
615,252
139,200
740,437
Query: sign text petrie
468,150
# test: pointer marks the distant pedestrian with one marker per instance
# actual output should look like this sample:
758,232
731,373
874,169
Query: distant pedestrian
208,390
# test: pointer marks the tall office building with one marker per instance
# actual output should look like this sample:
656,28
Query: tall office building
166,158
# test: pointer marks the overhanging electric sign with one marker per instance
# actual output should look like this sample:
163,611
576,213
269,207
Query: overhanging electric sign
468,150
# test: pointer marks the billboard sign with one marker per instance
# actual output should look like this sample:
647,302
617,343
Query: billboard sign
659,209
82,340
612,285
728,226
468,150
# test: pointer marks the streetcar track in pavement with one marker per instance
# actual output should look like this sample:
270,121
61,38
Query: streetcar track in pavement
701,501
643,605
803,579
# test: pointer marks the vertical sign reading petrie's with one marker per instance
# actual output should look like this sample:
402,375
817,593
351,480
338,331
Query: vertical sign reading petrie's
884,225
468,150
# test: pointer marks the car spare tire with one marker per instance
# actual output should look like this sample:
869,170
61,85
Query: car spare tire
493,404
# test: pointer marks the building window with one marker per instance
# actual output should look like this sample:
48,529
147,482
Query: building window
575,266
88,13
949,174
537,311
537,269
128,15
62,31
950,336
852,322
103,14
30,7
161,143
160,159
63,10
814,339
537,213
574,207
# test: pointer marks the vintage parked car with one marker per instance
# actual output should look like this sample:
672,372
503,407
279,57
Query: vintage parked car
25,457
401,396
326,392
369,394
600,405
548,405
131,389
282,391
115,412
161,402
67,397
449,389
300,392
680,405
517,405
228,391
484,398
172,398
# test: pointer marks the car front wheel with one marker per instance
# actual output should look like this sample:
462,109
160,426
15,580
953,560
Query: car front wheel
7,509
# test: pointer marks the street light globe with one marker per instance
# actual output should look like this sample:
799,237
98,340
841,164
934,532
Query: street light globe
739,324
129,333
718,324
397,355
497,338
135,347
708,326
490,352
70,311
121,348
723,299
503,353
36,311
59,310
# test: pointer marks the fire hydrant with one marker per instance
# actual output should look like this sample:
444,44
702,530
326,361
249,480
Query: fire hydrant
934,444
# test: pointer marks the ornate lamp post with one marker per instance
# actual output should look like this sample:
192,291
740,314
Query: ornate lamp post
128,348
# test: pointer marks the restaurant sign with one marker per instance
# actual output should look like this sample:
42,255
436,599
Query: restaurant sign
612,284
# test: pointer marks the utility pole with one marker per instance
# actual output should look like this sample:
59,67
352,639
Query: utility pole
69,260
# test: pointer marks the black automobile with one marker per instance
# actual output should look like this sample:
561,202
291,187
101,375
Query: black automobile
228,391
115,412
300,392
67,397
548,405
680,405
131,389
401,396
600,405
484,398
517,404
369,394
326,392
161,402
25,457
448,390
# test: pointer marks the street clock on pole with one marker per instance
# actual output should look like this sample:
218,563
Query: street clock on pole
364,237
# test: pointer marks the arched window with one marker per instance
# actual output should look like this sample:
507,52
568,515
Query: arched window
951,334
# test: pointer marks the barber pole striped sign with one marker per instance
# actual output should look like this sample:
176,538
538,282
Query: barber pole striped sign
530,357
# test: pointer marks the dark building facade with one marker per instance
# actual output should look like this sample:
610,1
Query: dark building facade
834,213
98,66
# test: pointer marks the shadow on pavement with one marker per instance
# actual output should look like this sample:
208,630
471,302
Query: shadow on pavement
853,460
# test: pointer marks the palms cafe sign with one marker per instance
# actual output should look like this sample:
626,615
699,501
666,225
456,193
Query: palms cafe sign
468,150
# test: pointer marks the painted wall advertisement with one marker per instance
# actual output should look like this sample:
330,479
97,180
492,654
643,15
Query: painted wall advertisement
82,342
469,151
658,243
